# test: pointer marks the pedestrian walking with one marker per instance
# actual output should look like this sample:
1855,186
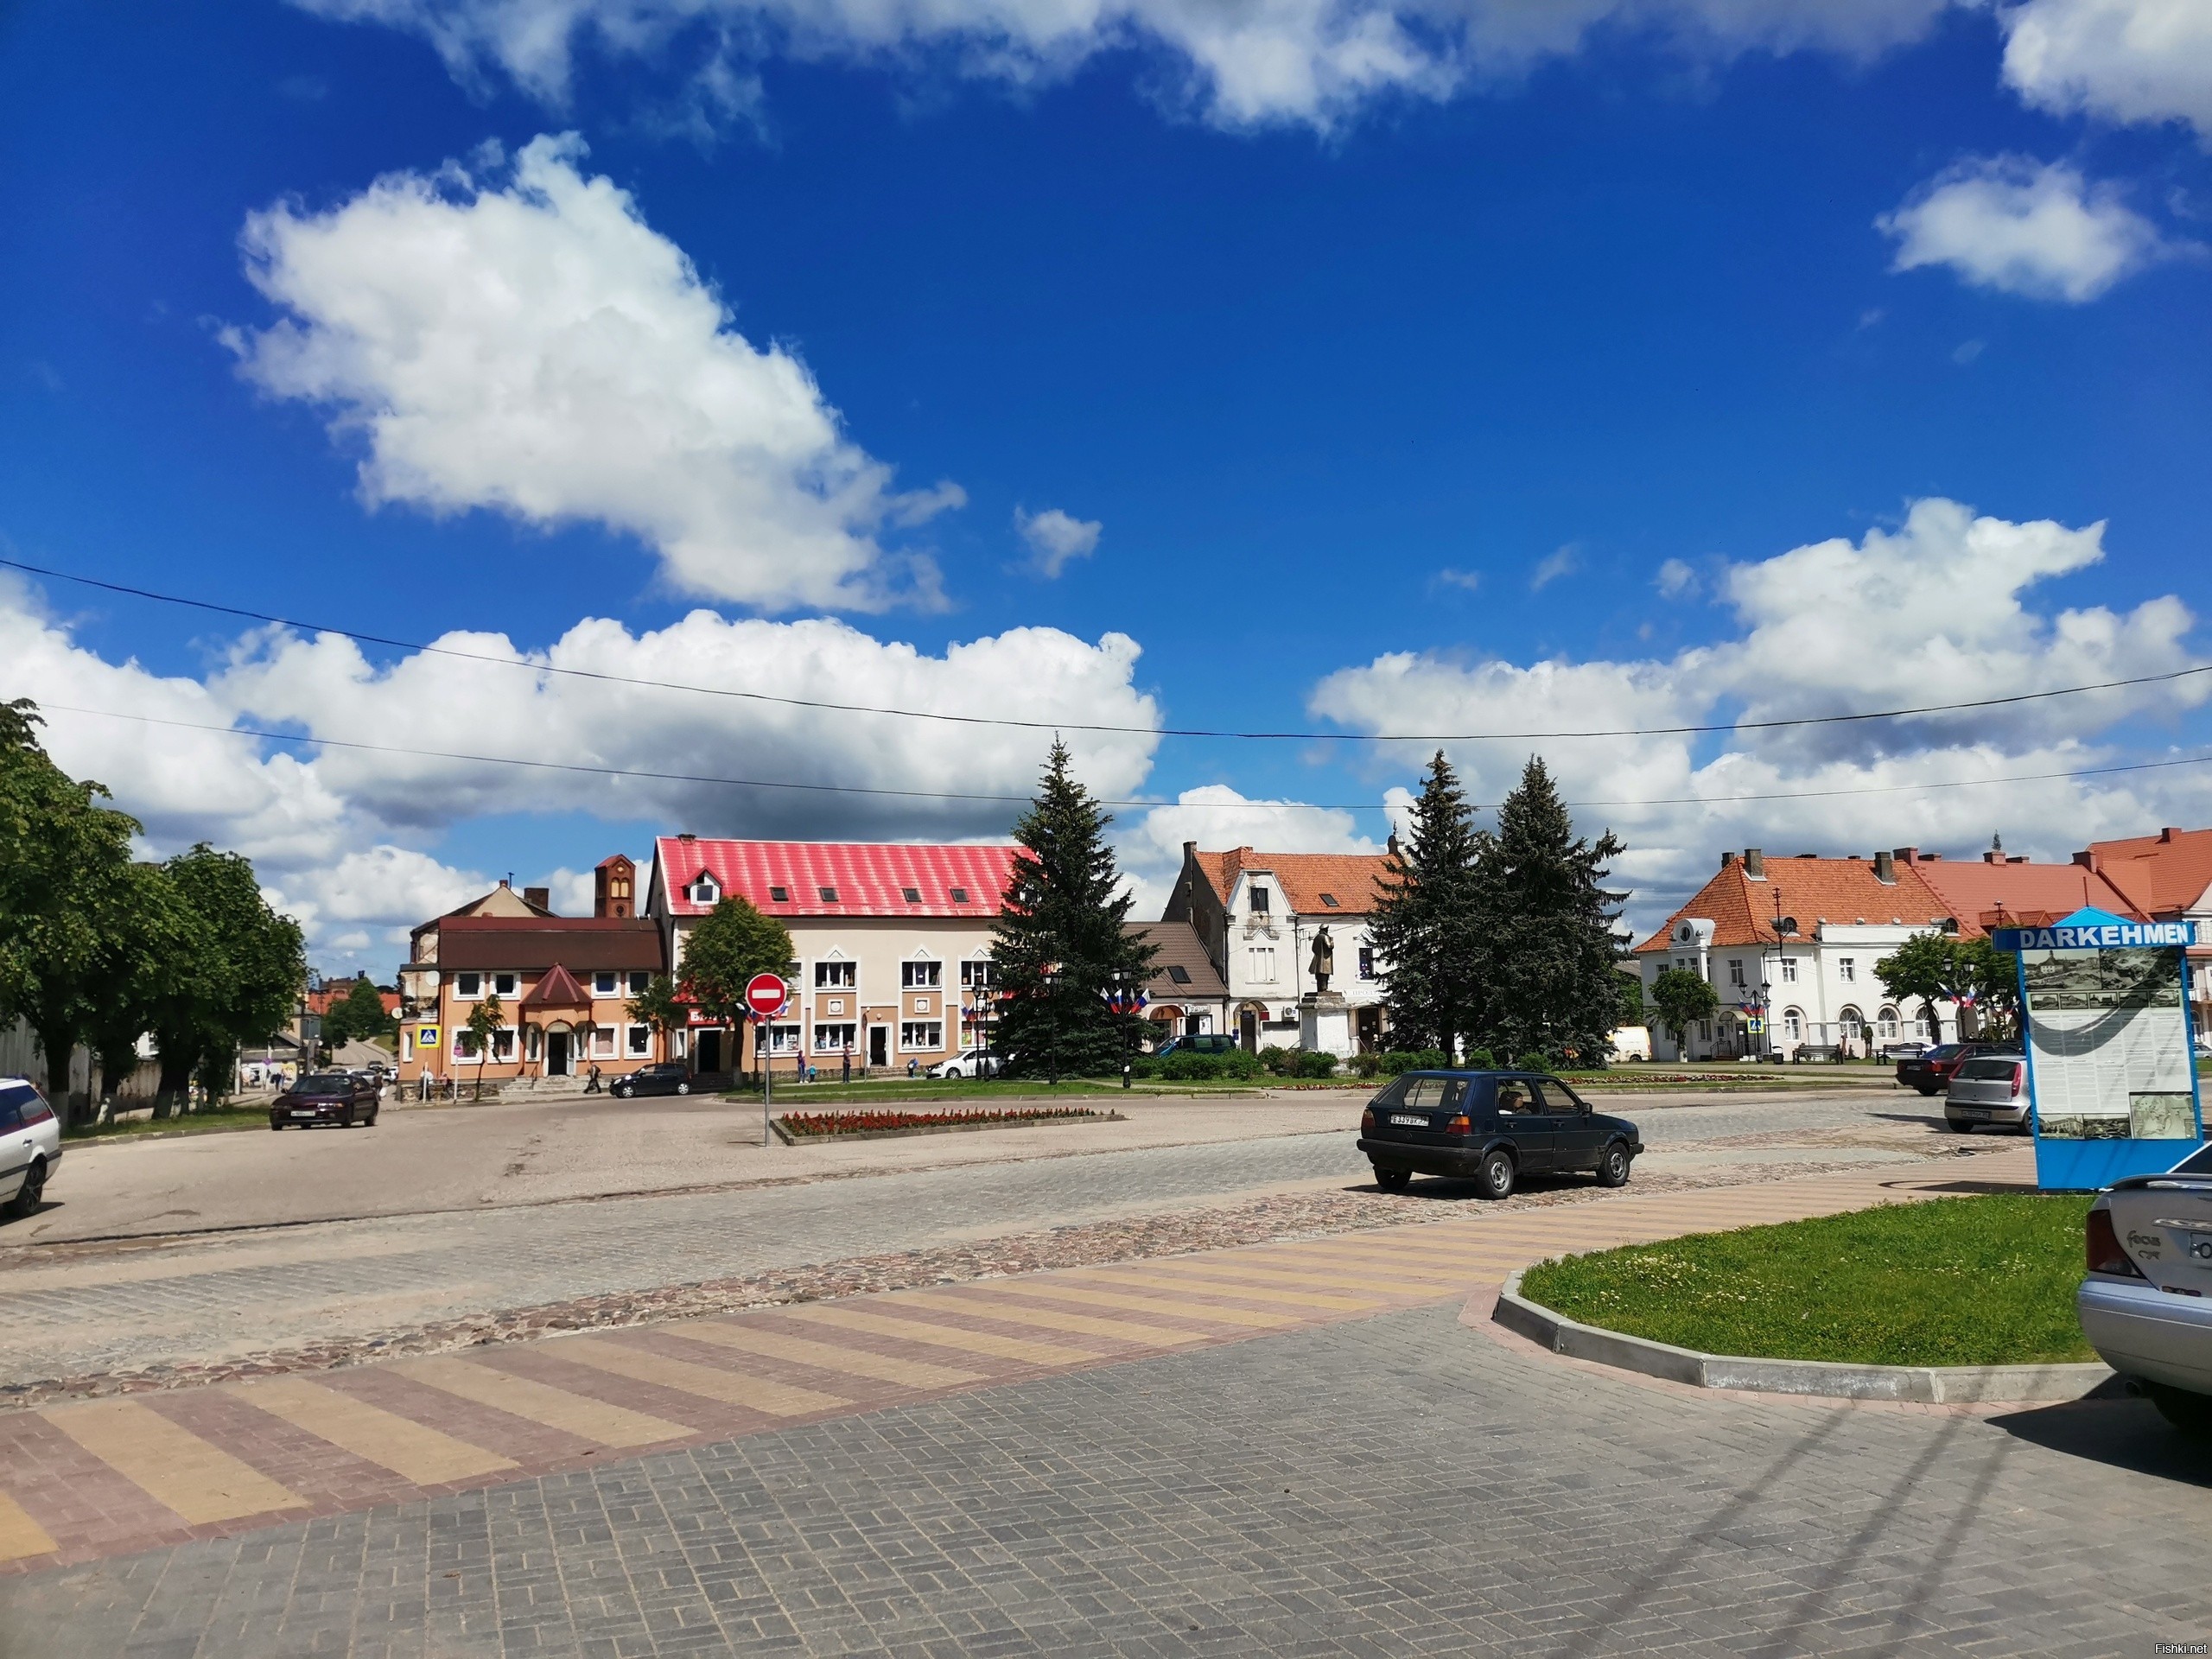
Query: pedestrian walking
591,1079
847,1077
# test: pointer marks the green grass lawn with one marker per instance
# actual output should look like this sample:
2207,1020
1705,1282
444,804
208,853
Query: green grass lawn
1950,1281
800,1097
139,1123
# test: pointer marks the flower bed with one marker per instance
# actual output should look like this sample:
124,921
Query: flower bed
815,1125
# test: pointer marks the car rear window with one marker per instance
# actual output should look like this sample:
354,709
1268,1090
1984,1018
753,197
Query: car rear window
1944,1052
16,1096
1994,1068
1426,1094
324,1083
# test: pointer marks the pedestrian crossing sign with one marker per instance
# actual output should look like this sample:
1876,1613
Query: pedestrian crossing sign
426,1037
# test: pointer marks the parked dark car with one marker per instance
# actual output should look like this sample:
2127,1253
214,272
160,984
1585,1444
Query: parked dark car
662,1078
1208,1042
1931,1071
341,1097
1491,1126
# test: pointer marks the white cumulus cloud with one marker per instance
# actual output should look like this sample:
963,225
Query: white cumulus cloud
1150,849
2007,223
1938,610
1057,539
518,339
2129,60
1674,580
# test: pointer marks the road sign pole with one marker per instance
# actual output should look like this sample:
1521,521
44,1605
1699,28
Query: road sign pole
767,1078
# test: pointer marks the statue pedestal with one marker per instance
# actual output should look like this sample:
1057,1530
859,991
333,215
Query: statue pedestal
1324,1024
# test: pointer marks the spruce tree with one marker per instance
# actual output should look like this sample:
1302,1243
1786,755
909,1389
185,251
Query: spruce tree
1061,945
1425,930
1548,930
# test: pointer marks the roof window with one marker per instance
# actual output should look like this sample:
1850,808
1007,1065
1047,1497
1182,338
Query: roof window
913,895
1330,899
1178,973
779,895
960,895
828,894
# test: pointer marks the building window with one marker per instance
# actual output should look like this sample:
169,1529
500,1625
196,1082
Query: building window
836,976
831,1038
828,894
1178,973
1260,901
1846,969
1886,1023
1790,970
911,895
960,895
406,1045
1792,1025
640,1041
779,895
976,975
638,981
602,1042
1704,1030
783,1039
1736,971
922,1033
1366,962
502,984
1330,900
464,1044
704,891
503,1043
677,1043
920,976
468,985
1262,958
603,984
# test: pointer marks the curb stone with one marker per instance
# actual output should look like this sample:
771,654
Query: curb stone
789,1138
1920,1385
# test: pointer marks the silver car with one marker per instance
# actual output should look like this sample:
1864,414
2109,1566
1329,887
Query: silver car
30,1146
1989,1089
2146,1303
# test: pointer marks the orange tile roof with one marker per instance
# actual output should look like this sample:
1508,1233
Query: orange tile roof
1812,890
1349,877
2027,895
2163,873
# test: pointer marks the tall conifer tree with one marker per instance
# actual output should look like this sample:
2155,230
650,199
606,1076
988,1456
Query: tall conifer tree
1548,930
1427,920
1061,944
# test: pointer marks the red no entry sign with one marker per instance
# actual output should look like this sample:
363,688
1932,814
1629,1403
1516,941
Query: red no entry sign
766,994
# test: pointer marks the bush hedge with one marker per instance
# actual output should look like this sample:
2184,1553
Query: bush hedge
1417,1059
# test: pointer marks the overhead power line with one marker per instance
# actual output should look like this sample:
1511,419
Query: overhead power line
425,648
1024,800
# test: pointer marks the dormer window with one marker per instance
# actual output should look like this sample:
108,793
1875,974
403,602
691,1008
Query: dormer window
1258,901
779,895
1330,899
828,894
704,890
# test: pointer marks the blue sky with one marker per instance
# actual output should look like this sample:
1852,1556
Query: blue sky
1450,379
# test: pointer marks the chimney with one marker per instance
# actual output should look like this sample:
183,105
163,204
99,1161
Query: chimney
686,835
1727,859
2168,835
1190,851
1885,867
541,897
1994,855
1755,863
506,881
1905,855
2086,858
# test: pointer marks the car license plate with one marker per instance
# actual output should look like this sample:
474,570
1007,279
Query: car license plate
1409,1122
303,1114
2197,1247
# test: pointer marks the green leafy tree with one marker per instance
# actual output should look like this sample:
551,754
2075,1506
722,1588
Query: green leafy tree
151,936
1547,929
1941,967
1632,1012
63,864
1682,997
486,1020
358,1013
732,943
232,977
661,1007
1061,944
1427,927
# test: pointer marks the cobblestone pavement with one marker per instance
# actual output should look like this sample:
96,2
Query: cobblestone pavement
1396,1483
87,1310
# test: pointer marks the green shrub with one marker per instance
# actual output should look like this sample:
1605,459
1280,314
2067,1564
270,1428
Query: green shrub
1481,1060
1279,1061
1532,1061
1238,1065
1184,1067
1145,1065
1366,1064
1312,1063
1417,1059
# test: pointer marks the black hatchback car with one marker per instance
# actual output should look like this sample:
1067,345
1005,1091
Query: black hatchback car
341,1097
1493,1127
662,1078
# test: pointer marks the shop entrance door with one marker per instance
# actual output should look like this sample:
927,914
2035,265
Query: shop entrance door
879,1046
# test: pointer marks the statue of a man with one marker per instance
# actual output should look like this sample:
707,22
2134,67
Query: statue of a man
1324,961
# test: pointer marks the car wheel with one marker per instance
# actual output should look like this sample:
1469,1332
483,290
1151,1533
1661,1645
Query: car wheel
1957,1125
32,1191
683,1088
1495,1176
1613,1166
2189,1412
1925,1088
1393,1180
346,1118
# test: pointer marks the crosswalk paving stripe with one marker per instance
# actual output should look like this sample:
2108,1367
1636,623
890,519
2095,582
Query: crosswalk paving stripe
1054,1290
1187,1280
1297,1278
540,1402
1047,1319
824,1356
1384,1267
20,1536
169,1463
413,1450
708,1381
939,1335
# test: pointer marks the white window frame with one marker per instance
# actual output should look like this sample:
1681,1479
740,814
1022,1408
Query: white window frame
464,1044
1793,1026
828,1041
976,973
505,984
1790,970
1260,964
850,967
1736,971
639,978
461,992
503,1046
1846,969
1367,961
784,1039
704,890
602,1044
921,974
925,1026
637,1042
610,988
